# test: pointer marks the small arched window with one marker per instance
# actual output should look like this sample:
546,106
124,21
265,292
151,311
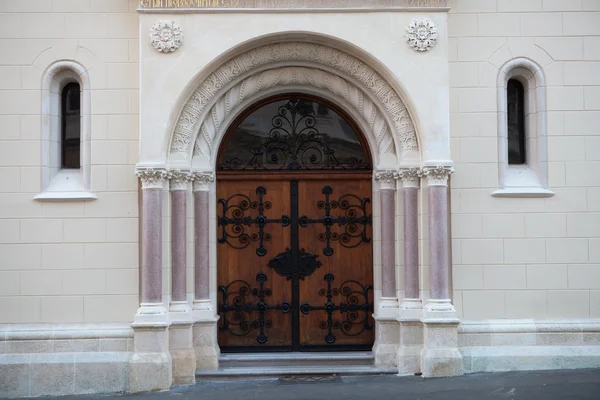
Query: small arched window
71,126
515,107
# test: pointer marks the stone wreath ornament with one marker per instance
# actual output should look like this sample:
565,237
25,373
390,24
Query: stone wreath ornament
166,36
421,34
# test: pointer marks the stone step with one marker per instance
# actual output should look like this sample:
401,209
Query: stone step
266,360
282,371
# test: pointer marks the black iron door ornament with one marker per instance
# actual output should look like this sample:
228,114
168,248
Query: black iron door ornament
301,267
233,226
354,220
355,310
235,308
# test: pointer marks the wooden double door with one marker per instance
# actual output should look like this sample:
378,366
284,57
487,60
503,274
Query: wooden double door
295,263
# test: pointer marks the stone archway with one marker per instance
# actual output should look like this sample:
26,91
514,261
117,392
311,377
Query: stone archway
317,67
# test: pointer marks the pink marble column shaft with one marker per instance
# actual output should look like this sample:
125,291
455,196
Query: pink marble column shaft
151,235
388,238
438,242
178,244
201,256
411,243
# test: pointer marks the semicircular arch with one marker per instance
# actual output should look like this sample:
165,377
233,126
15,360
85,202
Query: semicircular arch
267,69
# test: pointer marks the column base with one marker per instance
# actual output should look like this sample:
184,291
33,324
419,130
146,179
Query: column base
440,356
182,352
151,363
151,313
179,307
206,346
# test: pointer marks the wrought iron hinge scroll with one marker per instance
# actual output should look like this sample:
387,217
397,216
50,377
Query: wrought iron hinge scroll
233,227
354,220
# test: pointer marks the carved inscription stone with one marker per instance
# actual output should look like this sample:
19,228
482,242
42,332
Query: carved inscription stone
287,4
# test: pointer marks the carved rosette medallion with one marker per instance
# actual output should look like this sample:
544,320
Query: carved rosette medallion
152,178
410,177
202,181
437,176
386,179
178,180
421,34
166,36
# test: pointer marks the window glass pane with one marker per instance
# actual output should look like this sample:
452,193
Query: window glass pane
516,122
293,134
71,126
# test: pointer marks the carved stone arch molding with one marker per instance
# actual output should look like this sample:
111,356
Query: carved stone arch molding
273,68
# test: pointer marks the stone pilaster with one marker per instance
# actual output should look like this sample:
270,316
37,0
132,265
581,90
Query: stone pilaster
411,308
440,356
180,312
386,341
205,320
151,364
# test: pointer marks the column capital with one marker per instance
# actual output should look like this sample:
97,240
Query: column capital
410,177
178,180
152,178
386,179
202,181
437,175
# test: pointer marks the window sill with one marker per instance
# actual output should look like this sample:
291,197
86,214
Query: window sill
65,196
67,185
523,192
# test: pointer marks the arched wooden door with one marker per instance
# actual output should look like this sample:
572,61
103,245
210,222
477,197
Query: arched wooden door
294,251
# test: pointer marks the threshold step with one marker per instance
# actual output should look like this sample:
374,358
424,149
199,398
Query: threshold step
268,372
296,359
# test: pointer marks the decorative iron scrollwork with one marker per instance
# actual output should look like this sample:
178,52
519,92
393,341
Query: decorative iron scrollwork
295,143
234,302
234,220
354,221
284,264
356,309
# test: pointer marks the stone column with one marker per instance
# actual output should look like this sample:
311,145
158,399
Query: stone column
440,355
205,320
386,342
411,309
180,312
150,367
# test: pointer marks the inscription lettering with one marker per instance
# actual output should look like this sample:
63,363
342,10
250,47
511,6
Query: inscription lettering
287,4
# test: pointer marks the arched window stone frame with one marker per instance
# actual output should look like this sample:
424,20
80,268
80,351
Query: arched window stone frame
530,179
58,183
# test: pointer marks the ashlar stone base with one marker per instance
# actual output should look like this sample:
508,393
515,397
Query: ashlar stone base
385,348
411,347
151,365
205,345
182,353
440,355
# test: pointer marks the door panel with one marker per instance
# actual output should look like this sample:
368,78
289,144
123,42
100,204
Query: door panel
344,281
308,284
241,259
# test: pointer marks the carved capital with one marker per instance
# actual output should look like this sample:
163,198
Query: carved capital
386,179
178,180
202,181
152,178
410,177
437,176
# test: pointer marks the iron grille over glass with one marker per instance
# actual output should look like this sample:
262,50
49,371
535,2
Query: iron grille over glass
516,122
293,134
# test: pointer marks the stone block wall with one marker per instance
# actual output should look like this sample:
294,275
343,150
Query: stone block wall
74,261
526,257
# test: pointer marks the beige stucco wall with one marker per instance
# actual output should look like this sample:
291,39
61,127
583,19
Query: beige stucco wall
69,261
526,257
513,258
